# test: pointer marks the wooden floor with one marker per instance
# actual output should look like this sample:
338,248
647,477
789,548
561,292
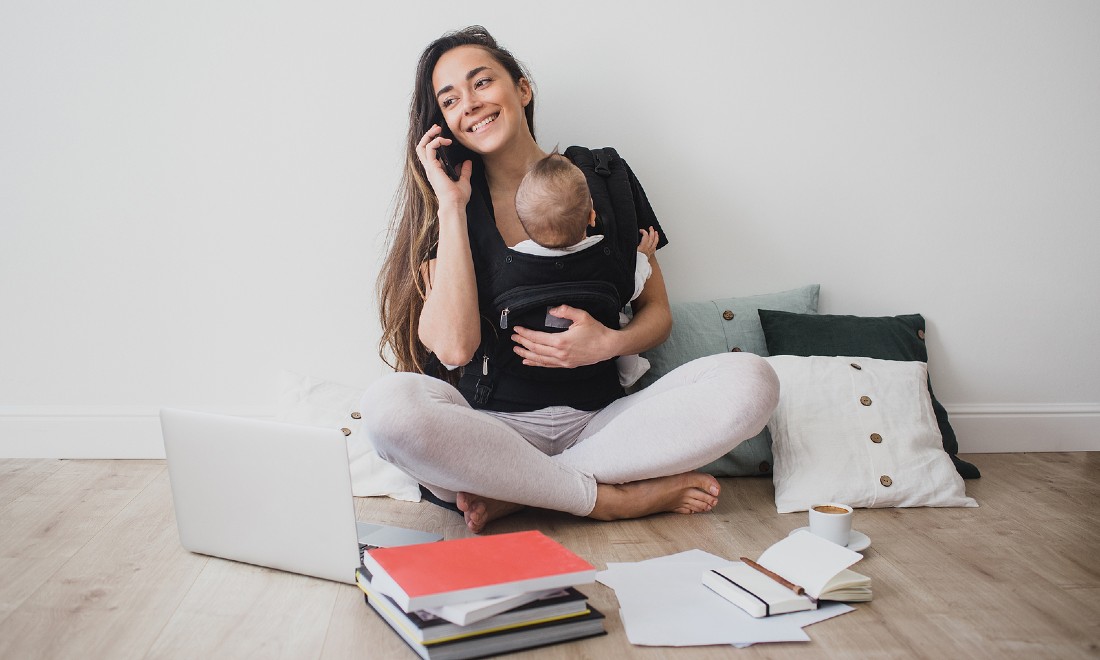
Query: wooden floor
91,567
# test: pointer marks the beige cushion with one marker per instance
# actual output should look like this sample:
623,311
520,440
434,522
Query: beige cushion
719,326
863,435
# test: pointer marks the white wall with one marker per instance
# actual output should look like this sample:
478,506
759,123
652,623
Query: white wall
194,195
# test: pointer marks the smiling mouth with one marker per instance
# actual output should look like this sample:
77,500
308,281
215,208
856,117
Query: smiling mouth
483,123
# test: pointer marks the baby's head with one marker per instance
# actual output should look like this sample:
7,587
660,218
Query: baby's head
553,203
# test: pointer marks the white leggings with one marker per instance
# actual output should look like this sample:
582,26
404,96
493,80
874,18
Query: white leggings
685,420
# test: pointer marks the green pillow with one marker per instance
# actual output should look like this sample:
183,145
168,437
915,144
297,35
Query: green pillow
879,337
719,326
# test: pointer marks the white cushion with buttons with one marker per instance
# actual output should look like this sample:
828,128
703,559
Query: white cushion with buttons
314,402
861,432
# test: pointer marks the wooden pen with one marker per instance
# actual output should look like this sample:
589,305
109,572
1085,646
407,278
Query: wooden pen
778,578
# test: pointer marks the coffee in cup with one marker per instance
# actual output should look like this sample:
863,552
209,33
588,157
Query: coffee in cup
831,521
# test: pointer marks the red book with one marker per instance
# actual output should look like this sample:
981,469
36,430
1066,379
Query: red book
458,571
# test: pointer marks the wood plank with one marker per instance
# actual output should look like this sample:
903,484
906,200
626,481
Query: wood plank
236,610
112,597
18,475
355,631
52,521
1018,577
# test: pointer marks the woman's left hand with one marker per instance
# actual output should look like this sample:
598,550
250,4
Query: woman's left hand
587,341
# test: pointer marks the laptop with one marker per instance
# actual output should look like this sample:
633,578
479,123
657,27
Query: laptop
269,493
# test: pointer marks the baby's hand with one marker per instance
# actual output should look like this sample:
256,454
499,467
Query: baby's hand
648,244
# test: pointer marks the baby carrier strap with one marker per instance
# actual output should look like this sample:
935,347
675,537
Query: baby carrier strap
612,196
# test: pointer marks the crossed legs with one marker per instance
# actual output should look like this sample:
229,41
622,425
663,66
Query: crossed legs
635,457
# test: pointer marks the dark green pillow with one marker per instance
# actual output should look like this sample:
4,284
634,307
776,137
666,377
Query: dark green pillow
881,337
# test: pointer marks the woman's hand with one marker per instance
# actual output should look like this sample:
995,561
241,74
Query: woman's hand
449,324
587,341
453,194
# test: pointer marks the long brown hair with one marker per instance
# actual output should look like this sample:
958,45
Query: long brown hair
414,229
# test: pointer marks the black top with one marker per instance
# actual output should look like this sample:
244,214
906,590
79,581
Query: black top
516,289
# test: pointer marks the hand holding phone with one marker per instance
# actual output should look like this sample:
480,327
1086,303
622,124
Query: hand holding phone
450,168
452,155
451,188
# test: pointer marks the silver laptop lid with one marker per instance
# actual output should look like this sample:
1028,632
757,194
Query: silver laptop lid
262,492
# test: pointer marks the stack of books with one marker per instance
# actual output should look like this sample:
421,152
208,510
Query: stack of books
480,596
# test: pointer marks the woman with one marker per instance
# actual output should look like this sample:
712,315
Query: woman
630,458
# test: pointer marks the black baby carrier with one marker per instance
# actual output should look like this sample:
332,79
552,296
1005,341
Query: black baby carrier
516,289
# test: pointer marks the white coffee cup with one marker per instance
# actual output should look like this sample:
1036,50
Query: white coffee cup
831,521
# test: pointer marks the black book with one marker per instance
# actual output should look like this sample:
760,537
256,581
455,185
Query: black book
425,628
507,640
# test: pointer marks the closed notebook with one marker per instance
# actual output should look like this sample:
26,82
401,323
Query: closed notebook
754,592
429,575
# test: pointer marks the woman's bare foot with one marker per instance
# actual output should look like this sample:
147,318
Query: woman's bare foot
690,492
480,511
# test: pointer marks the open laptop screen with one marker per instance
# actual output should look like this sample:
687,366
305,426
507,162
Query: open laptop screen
262,492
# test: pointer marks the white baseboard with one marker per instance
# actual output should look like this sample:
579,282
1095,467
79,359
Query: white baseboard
995,428
134,432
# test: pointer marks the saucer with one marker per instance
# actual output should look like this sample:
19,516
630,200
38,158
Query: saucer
857,541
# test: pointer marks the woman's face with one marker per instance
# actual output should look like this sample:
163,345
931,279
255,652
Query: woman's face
481,104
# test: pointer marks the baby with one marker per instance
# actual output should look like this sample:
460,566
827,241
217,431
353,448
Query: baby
555,208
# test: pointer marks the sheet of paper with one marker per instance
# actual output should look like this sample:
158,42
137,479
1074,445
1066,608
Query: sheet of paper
664,603
808,560
608,576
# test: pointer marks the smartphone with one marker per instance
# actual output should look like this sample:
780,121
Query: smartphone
452,156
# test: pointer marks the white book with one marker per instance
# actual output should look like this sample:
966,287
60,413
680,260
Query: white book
804,560
465,614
